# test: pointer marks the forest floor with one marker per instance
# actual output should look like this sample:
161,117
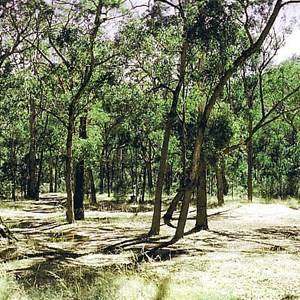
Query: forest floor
251,251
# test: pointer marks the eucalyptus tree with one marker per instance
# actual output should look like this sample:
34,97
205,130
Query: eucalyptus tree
17,20
160,58
275,99
72,48
226,23
176,45
13,116
281,94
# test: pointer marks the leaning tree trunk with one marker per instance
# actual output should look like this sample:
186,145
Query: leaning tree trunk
80,177
201,217
194,175
155,227
169,214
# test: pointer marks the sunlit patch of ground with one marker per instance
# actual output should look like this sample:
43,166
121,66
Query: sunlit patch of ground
252,251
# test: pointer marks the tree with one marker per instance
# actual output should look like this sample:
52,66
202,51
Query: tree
71,57
236,63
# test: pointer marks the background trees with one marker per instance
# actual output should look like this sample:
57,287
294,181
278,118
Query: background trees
169,98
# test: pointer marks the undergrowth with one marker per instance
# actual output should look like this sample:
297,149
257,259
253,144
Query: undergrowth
94,284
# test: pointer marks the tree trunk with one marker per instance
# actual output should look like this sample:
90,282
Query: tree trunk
220,184
56,174
92,186
68,176
41,161
194,175
102,173
143,185
250,170
80,177
169,214
155,227
32,184
168,179
250,150
107,165
201,217
12,156
51,180
149,167
39,177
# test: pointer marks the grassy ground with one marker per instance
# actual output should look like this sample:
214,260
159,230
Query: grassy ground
252,251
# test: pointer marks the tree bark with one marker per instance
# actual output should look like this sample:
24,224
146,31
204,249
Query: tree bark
80,177
250,170
68,176
194,174
12,156
56,174
220,184
155,227
92,186
32,166
149,167
201,217
250,150
51,179
169,214
102,173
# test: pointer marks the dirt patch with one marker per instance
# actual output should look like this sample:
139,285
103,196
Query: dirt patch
250,252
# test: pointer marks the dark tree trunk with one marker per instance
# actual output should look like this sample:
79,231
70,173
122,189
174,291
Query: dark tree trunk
41,161
102,173
107,164
51,179
92,186
168,179
220,184
39,177
56,174
250,150
12,156
79,190
32,166
201,217
250,170
149,167
68,176
169,214
143,185
80,177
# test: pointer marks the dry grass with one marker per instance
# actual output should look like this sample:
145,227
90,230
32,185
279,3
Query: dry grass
252,251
